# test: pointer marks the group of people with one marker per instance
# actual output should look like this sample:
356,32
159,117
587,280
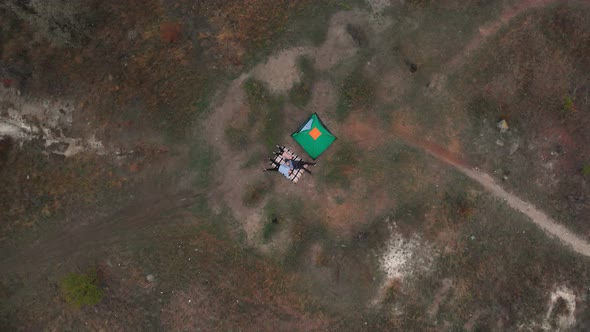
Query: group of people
288,165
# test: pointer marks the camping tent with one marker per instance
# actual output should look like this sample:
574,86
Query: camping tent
313,136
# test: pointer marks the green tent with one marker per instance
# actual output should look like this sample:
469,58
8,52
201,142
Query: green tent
313,136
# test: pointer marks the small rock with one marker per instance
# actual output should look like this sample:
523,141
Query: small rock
503,126
132,34
499,143
150,278
513,148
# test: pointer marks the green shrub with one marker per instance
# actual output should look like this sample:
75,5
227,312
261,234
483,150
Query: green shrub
81,289
568,105
586,170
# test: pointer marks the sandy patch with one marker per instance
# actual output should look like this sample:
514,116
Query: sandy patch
280,71
339,44
323,97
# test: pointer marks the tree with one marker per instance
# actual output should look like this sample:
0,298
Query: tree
81,289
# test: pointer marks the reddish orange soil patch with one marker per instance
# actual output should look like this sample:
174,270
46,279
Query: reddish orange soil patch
170,32
364,131
442,153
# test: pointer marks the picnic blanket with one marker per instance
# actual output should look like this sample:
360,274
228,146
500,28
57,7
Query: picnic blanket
282,159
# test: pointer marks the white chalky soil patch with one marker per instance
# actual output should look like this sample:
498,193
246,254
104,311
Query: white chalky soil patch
400,259
24,119
398,253
566,320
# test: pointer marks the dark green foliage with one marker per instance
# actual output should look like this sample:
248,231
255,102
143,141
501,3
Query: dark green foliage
80,289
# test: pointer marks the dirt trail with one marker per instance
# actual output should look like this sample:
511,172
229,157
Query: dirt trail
488,183
490,29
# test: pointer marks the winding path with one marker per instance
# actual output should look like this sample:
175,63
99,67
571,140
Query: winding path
488,183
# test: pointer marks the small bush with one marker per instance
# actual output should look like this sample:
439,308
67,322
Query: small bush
269,229
81,289
356,91
586,170
568,105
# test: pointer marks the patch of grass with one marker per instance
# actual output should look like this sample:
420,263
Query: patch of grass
269,229
265,112
273,217
300,218
586,170
255,193
568,106
35,189
300,93
81,289
201,161
356,92
256,93
237,137
338,169
306,23
459,205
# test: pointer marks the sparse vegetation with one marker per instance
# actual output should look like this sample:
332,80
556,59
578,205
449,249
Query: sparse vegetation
269,229
265,118
255,193
356,92
586,170
338,170
300,93
81,289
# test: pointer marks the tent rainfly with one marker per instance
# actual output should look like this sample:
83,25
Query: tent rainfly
313,136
